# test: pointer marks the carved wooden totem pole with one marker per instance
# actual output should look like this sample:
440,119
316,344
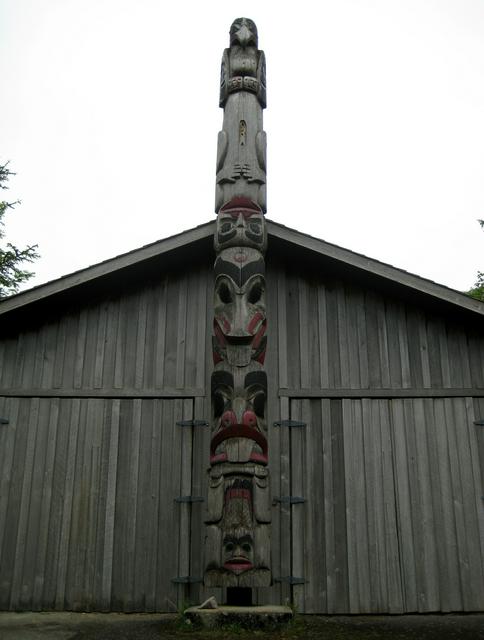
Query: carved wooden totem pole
238,523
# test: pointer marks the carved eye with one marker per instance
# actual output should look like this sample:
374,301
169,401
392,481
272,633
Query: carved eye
256,228
246,547
226,227
255,293
229,546
225,294
258,402
219,403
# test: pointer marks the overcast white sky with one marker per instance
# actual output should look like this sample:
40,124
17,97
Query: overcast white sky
375,125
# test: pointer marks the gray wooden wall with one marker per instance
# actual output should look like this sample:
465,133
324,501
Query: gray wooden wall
390,462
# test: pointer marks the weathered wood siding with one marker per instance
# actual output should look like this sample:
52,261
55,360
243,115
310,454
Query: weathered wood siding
88,518
151,339
92,459
331,334
390,462
393,519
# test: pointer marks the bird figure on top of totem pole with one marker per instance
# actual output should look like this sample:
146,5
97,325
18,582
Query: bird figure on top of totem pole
238,521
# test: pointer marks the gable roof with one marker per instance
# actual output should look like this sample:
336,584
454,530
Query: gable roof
200,238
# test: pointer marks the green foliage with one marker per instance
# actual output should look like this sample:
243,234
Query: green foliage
12,275
477,290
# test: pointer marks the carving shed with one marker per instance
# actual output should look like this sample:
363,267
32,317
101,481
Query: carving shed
375,405
338,403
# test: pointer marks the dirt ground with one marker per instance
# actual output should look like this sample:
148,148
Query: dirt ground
112,626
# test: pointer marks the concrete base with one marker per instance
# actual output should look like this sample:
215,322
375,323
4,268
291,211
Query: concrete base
264,617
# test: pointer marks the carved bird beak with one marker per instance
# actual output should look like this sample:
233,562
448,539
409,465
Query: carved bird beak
244,36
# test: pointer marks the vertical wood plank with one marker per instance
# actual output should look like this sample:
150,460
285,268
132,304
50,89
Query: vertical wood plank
110,344
45,523
373,340
109,517
323,337
394,596
9,409
298,464
19,592
293,346
56,504
334,363
181,333
356,508
304,349
339,506
471,551
315,590
99,349
424,351
284,509
160,335
139,363
60,599
352,341
451,596
343,338
381,319
282,329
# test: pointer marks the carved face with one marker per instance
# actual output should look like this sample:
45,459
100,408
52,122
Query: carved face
240,322
243,32
240,311
239,418
237,526
240,223
238,553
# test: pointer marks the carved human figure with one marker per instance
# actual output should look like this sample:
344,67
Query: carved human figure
243,65
241,148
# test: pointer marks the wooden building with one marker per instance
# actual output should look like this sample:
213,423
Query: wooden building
376,443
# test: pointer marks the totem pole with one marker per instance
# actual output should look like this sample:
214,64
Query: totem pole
238,522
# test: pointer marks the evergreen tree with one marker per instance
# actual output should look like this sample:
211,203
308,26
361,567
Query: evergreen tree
477,290
12,275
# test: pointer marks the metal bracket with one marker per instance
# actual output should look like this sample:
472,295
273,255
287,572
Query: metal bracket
190,499
291,580
289,499
479,423
186,580
4,421
289,423
192,423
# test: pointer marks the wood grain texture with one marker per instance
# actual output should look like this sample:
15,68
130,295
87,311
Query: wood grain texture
391,463
146,340
366,340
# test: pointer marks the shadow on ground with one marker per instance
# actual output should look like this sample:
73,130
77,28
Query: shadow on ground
112,626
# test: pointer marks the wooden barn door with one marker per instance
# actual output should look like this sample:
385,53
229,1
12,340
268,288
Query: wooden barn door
392,518
96,509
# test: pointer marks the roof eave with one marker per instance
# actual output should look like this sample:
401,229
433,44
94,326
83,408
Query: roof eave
358,261
375,268
106,267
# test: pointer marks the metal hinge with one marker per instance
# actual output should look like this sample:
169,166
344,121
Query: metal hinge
189,499
479,423
3,421
290,499
291,580
289,423
186,580
192,423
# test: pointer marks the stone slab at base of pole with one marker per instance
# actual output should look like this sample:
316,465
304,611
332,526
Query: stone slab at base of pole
263,617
